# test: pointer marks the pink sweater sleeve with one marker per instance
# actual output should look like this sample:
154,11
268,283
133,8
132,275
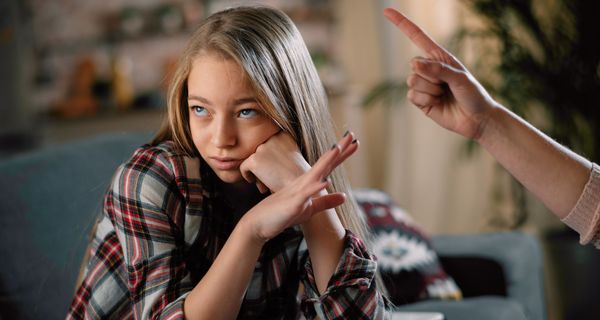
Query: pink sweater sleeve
585,216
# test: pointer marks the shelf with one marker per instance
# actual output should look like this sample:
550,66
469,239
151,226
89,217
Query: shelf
62,130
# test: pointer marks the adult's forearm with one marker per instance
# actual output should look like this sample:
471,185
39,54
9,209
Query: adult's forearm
549,170
220,293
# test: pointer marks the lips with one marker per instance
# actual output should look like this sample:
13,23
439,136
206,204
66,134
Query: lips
225,163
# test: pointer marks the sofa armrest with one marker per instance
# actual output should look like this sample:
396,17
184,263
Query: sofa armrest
517,253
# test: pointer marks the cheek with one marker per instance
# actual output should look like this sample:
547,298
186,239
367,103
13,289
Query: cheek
258,135
199,135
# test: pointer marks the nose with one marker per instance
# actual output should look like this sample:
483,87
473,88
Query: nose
224,133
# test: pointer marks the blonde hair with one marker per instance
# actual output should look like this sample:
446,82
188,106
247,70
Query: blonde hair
271,51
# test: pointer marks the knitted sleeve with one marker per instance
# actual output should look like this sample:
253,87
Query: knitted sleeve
585,215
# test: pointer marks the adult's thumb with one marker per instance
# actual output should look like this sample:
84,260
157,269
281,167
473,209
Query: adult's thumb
437,71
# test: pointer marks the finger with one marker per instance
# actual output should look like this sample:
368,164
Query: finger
328,201
312,189
344,144
327,161
346,140
415,68
438,71
331,159
418,83
348,144
412,31
421,99
349,151
261,187
246,172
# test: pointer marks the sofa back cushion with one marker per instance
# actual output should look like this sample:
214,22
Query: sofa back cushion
410,267
48,200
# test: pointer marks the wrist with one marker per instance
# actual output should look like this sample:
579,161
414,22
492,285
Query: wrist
302,167
487,122
324,224
249,232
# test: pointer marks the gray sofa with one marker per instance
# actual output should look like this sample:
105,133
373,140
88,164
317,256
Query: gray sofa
49,198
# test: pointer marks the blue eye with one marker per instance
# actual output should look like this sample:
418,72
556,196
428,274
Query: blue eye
248,113
199,111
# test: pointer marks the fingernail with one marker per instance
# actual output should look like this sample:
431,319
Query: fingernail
420,61
354,141
346,133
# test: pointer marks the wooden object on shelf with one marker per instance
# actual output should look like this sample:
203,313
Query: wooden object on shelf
121,83
80,100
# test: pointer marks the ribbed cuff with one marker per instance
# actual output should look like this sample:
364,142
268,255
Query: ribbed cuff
585,215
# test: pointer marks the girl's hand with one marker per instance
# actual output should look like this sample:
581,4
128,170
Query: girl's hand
299,200
275,163
441,86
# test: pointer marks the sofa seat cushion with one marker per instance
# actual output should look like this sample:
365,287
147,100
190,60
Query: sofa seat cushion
477,308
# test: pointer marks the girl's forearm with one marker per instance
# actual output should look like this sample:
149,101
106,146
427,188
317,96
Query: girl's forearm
552,172
220,292
324,236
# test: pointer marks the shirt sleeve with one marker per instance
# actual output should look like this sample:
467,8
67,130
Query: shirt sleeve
585,215
352,290
144,196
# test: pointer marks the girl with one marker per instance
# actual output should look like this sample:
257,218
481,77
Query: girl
234,208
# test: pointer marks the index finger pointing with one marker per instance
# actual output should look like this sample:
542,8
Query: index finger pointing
412,31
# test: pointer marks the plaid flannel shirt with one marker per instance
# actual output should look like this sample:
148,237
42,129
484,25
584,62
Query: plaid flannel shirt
151,216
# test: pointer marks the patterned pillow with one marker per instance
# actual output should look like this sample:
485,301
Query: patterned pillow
409,266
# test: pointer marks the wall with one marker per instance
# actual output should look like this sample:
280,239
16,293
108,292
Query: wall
424,167
15,77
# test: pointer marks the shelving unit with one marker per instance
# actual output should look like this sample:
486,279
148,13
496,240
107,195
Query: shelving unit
94,33
61,131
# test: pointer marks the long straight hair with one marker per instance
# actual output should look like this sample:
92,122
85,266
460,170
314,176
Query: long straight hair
269,48
271,51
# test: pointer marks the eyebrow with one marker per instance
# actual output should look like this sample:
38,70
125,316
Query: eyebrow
235,102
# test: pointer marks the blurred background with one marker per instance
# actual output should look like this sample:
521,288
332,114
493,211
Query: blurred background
71,69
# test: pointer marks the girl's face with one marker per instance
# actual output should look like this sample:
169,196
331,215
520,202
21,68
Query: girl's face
226,121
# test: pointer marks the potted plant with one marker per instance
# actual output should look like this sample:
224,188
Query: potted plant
542,60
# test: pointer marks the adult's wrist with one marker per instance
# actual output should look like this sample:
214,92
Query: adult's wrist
489,124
